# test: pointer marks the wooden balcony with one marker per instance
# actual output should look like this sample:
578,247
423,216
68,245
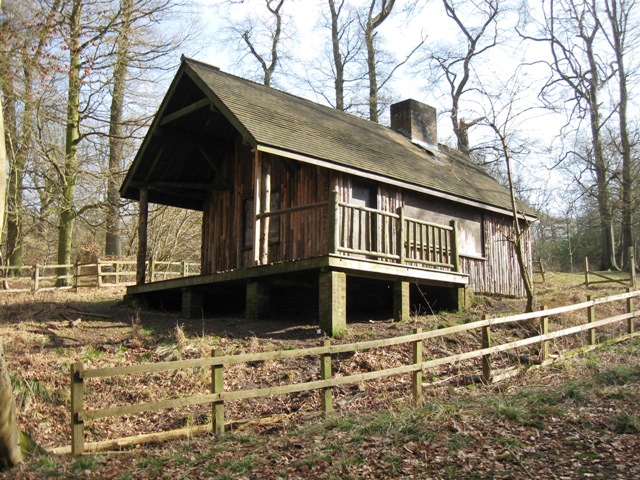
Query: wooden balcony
362,233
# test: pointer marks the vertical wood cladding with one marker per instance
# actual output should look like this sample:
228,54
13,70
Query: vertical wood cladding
499,273
303,234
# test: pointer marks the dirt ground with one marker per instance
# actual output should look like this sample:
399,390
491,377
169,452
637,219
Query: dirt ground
44,334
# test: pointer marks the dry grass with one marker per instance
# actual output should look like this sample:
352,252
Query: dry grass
41,344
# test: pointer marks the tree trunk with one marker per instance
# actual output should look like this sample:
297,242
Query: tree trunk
10,452
116,140
372,23
337,56
69,171
618,23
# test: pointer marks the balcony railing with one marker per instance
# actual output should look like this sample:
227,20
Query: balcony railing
374,234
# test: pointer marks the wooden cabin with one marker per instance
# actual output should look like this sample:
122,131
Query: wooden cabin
306,205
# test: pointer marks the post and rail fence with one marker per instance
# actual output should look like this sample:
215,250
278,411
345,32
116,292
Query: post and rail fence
607,277
222,391
101,273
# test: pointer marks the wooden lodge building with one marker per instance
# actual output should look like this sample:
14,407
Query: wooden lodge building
306,205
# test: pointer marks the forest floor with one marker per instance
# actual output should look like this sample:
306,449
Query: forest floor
577,418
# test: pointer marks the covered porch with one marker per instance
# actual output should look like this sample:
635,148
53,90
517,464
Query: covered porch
361,244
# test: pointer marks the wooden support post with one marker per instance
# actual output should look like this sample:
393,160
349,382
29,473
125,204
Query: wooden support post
591,317
143,218
455,257
401,302
117,276
632,267
183,267
586,271
630,322
401,235
257,207
332,302
486,360
217,386
416,377
266,208
77,405
544,345
334,216
325,374
76,268
36,277
152,269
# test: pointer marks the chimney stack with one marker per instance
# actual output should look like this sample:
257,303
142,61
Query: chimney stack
415,120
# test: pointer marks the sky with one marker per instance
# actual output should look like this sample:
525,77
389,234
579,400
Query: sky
400,37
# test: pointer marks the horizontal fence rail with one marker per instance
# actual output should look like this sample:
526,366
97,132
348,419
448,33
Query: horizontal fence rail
607,277
102,273
327,351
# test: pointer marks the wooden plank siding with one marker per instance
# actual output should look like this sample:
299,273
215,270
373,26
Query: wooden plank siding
300,234
499,272
304,233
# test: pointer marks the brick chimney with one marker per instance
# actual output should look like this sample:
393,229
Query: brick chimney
415,120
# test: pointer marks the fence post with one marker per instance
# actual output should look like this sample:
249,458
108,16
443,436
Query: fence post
542,270
400,233
36,276
630,325
586,271
591,333
98,273
217,386
544,345
325,374
117,271
184,268
486,360
416,377
77,405
632,267
75,277
455,258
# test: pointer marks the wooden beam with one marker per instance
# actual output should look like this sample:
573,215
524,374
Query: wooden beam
266,208
257,188
143,217
219,176
179,136
183,112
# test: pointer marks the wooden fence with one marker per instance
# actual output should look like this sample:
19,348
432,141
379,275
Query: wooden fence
325,352
102,273
606,277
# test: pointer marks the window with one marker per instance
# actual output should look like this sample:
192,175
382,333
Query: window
470,242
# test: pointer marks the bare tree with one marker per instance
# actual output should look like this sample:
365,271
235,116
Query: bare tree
260,38
478,25
622,32
504,118
346,46
572,29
